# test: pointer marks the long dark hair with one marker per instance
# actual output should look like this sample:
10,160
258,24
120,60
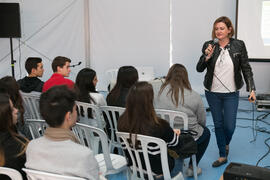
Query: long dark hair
84,84
177,78
126,77
7,125
14,93
139,116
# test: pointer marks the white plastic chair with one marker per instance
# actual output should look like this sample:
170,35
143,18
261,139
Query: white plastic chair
170,116
12,173
160,148
108,163
36,127
96,120
40,175
111,114
31,105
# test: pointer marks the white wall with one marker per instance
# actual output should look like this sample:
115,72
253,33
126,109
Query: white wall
192,26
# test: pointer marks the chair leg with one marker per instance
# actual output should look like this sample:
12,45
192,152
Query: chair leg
194,164
128,173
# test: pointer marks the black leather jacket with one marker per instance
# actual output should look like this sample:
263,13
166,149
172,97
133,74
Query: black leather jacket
238,54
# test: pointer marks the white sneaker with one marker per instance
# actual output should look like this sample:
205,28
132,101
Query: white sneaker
189,171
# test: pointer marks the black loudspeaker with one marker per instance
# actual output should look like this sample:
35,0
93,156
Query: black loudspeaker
10,23
237,171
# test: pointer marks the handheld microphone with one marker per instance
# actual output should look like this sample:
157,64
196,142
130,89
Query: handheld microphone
215,42
74,65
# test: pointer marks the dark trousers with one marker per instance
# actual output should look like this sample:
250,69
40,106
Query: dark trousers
223,108
202,143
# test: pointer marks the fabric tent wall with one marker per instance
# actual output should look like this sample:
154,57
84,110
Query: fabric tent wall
49,28
143,33
129,32
122,32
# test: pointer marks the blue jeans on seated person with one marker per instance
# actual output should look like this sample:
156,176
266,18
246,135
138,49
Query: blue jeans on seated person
223,108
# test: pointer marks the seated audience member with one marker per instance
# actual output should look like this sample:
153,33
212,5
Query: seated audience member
86,82
61,69
12,88
12,145
59,151
34,68
140,118
176,94
126,77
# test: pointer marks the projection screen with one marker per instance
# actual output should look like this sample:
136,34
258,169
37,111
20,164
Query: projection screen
253,26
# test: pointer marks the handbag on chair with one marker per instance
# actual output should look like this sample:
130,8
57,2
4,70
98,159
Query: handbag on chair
186,148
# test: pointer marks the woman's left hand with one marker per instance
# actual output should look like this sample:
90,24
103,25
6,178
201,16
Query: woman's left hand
252,97
177,131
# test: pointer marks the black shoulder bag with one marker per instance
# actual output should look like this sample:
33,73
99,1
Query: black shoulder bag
187,146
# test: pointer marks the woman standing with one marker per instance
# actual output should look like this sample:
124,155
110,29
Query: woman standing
176,94
12,145
140,118
225,59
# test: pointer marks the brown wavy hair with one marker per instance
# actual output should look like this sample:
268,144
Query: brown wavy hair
177,78
7,125
139,116
13,91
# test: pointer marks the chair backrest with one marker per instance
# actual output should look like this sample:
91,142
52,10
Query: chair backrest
158,145
170,116
94,119
111,115
31,104
36,127
12,173
40,175
88,134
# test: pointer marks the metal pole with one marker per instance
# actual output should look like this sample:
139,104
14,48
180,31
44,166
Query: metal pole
11,56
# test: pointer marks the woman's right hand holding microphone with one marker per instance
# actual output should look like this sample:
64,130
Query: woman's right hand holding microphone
209,52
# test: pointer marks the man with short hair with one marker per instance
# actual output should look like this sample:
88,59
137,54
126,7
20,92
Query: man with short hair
34,68
59,151
61,69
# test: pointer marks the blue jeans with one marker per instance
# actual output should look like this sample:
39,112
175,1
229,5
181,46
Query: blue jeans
223,108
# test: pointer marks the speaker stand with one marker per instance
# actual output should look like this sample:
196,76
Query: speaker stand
11,56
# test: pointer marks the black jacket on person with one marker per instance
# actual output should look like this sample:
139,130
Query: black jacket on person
28,84
12,148
238,54
162,131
